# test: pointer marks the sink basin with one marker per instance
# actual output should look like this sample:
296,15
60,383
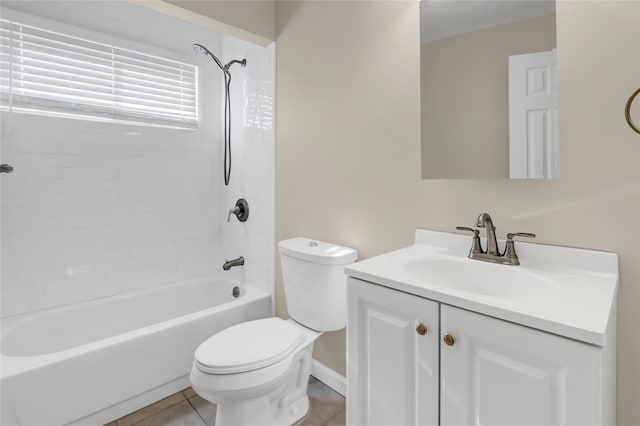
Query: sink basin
482,278
563,290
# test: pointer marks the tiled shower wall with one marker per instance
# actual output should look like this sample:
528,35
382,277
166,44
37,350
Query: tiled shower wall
97,209
253,166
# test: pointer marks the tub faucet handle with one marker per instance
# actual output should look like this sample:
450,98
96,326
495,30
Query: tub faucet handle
241,210
235,210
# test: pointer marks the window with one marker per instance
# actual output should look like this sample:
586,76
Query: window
52,73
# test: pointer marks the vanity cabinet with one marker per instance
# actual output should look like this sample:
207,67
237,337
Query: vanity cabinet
465,369
500,373
392,376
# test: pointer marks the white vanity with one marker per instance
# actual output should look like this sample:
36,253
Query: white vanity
435,338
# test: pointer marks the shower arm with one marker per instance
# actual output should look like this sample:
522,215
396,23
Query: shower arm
235,61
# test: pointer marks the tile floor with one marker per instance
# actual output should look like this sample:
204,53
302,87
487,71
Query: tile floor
186,408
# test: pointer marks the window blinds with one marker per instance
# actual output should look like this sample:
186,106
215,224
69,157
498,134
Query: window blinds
51,72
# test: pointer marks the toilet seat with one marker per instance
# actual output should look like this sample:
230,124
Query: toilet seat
248,346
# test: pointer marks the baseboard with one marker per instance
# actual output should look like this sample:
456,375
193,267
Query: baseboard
329,377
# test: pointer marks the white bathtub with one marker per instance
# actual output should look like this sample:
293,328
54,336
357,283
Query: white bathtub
93,362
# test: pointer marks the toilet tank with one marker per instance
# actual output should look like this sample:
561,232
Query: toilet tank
315,285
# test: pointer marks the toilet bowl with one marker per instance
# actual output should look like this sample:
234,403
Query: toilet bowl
257,372
253,393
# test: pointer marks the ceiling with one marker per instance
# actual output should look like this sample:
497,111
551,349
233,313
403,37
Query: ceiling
445,18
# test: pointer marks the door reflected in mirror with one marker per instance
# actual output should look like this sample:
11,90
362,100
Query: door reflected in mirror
489,89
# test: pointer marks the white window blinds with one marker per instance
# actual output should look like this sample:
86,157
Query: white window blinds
55,73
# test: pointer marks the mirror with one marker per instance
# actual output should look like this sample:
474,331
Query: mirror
488,89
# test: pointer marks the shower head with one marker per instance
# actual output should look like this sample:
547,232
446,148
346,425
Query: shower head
198,48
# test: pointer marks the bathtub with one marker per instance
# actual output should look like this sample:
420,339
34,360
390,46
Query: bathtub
93,362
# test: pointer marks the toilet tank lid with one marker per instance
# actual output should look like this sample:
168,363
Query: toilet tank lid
317,251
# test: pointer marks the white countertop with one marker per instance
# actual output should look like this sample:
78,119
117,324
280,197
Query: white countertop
566,291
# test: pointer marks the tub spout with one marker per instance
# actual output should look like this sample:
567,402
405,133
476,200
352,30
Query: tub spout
231,263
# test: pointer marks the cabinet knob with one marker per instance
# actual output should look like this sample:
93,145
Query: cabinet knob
421,329
449,340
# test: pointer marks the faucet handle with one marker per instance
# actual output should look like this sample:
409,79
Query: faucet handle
510,247
510,235
476,247
464,228
235,210
241,210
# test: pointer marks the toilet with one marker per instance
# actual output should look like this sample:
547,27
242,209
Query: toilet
257,371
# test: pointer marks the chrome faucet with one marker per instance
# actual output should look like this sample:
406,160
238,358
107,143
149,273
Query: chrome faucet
484,221
231,263
492,254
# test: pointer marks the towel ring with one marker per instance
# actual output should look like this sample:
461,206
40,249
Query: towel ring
627,112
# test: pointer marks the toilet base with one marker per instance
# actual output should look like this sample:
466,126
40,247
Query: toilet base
259,412
287,404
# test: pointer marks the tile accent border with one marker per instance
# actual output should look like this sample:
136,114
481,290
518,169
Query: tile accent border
329,377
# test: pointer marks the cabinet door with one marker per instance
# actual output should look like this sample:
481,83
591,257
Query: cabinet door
500,373
392,370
